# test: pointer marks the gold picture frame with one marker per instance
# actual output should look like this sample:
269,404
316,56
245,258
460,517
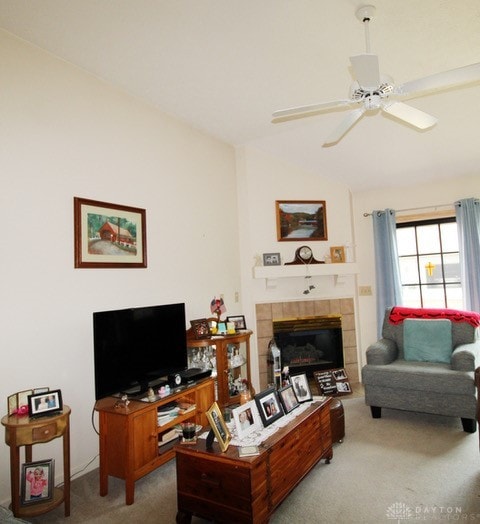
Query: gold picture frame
18,403
337,254
217,423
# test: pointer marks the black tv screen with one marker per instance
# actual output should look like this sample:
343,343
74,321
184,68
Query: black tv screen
135,347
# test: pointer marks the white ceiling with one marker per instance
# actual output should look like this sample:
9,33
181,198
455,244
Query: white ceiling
225,65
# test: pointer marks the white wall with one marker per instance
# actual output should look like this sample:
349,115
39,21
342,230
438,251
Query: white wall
64,133
262,179
439,193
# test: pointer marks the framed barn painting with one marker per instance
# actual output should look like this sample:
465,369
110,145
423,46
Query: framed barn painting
301,220
109,235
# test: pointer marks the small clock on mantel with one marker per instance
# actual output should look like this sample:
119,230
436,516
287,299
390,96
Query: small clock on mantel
304,255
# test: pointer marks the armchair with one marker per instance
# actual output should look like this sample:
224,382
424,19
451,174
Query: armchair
425,362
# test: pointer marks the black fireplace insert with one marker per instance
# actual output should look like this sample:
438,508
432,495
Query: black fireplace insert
310,344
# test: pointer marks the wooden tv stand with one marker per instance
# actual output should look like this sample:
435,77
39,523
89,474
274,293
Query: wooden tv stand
130,435
226,488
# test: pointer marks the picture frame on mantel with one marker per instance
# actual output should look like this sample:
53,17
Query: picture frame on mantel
337,254
301,220
109,235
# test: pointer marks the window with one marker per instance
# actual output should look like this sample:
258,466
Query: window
430,263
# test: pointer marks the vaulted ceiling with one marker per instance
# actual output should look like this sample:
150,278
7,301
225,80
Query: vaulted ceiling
224,66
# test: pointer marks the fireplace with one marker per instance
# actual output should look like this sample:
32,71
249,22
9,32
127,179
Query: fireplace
309,344
269,312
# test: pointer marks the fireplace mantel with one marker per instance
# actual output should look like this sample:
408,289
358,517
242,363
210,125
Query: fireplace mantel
272,273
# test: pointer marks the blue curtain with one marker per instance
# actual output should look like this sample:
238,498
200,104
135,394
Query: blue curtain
468,222
389,288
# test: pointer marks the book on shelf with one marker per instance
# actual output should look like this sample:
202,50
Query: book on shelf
186,407
167,408
168,436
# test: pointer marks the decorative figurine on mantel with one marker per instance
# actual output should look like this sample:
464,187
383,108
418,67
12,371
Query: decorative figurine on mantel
217,307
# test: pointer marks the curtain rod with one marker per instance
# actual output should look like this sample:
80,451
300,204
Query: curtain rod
415,209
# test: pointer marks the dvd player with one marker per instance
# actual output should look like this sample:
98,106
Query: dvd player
193,374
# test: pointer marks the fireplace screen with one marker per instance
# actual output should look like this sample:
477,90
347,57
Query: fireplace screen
310,344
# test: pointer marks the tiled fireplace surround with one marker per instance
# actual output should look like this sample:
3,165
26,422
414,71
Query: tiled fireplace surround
307,308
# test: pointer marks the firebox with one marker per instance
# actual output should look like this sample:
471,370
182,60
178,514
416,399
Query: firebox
309,344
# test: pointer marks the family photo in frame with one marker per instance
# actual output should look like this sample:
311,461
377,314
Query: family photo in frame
269,406
247,419
238,322
288,398
45,404
301,387
37,482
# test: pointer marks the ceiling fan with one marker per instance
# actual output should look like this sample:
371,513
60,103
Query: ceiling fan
372,91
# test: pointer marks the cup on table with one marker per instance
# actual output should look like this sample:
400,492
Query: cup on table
227,414
189,431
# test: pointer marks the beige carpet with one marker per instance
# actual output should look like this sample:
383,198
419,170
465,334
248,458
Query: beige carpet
402,467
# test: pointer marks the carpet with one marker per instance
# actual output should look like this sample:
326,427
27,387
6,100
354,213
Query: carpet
403,467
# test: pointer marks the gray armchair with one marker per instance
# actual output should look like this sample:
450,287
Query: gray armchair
443,388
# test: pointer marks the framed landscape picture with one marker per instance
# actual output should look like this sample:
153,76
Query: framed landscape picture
109,235
301,220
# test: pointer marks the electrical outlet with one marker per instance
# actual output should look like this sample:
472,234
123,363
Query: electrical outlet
365,291
237,296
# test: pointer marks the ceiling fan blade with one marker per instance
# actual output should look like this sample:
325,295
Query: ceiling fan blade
410,114
367,70
346,124
305,111
461,75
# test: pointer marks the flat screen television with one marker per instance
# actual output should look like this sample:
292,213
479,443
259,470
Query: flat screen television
135,347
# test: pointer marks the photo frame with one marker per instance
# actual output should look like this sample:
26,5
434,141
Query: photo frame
288,398
37,482
269,406
271,259
45,403
109,235
337,254
301,220
301,387
239,321
17,403
247,419
201,328
332,382
217,423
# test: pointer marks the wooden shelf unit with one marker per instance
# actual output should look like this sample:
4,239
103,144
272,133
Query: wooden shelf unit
130,435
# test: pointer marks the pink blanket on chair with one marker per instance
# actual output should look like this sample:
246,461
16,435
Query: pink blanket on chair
399,313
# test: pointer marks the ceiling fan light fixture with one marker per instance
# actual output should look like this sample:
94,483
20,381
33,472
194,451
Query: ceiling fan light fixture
371,91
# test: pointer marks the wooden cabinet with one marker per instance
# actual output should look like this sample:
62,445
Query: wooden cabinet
25,431
226,488
228,357
131,438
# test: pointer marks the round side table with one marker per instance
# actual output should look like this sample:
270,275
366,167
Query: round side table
25,431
